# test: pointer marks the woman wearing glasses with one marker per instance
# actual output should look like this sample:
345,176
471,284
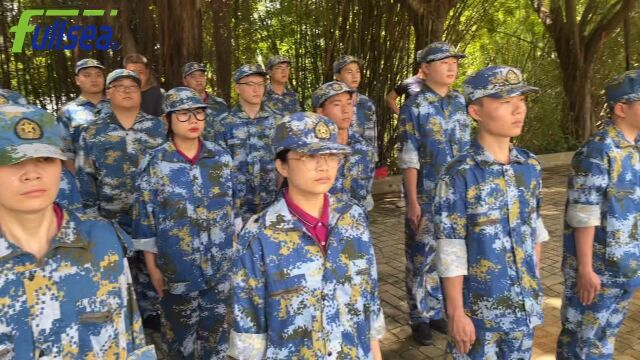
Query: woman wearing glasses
184,223
305,284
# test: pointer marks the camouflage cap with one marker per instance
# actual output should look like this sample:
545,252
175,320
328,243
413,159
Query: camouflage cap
623,88
87,63
122,73
181,98
308,133
345,60
190,67
497,82
27,131
277,59
246,70
11,97
437,51
327,90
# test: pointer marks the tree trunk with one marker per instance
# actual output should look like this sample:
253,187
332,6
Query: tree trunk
180,37
428,18
222,43
577,40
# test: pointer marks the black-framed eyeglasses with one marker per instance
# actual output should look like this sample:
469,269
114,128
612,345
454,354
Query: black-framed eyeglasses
184,115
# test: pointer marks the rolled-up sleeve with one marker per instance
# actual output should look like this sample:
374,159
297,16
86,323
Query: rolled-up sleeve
409,143
450,227
587,189
248,340
144,222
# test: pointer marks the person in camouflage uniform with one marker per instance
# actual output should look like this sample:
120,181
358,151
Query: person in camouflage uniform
355,175
306,284
601,256
279,97
247,131
347,69
183,220
109,153
488,226
433,129
65,290
194,76
75,115
68,193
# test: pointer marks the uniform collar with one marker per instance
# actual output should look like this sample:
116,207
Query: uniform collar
81,100
139,118
67,237
485,159
431,96
618,137
279,218
173,155
287,90
238,112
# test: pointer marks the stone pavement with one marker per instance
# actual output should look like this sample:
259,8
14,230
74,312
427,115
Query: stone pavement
388,231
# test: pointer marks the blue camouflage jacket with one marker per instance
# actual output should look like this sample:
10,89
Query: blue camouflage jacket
487,225
284,104
432,130
184,213
69,192
364,121
250,143
77,303
604,191
107,161
74,116
355,174
291,300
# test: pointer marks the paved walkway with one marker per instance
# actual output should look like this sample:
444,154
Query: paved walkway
388,233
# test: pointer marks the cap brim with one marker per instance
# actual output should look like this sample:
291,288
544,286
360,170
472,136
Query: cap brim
324,148
187,106
24,152
514,91
89,66
137,80
261,73
625,99
446,56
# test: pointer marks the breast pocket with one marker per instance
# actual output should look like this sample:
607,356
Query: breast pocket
99,321
485,211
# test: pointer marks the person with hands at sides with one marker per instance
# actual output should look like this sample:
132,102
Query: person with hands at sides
488,226
601,256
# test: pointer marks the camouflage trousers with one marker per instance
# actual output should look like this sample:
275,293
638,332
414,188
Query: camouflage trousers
494,345
589,331
146,295
196,324
424,293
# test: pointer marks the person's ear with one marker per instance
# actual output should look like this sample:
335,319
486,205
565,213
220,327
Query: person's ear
283,168
474,112
620,110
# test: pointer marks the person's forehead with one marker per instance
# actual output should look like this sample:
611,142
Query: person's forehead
351,66
281,66
339,97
